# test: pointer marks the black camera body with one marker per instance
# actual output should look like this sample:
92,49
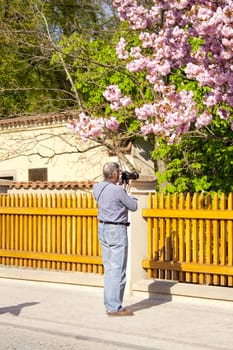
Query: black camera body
126,176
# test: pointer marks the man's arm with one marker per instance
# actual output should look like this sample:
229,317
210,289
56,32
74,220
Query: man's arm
128,201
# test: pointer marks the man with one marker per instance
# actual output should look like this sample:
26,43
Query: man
113,205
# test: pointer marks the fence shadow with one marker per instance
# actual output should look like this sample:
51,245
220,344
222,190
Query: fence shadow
159,293
16,309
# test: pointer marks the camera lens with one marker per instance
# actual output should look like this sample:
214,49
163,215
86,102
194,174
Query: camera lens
134,176
126,176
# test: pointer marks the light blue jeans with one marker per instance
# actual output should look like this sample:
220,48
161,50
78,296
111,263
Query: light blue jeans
114,242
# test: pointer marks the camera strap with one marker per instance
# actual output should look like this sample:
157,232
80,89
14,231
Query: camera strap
102,191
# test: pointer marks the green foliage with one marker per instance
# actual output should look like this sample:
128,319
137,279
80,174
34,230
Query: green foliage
196,43
198,164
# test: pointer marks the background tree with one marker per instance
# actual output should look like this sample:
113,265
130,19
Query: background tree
28,82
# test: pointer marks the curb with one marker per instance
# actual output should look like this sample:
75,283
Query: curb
51,276
155,288
150,288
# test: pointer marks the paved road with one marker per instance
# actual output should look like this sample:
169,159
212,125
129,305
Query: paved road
48,316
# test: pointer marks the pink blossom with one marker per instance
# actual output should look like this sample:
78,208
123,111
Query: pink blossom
112,124
121,51
95,131
164,68
203,120
126,101
147,129
136,52
84,118
116,105
138,64
223,113
112,93
147,110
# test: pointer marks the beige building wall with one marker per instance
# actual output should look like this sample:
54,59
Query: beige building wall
51,145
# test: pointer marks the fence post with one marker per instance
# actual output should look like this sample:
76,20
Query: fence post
137,232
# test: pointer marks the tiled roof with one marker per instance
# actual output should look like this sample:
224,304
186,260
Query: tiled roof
49,118
51,185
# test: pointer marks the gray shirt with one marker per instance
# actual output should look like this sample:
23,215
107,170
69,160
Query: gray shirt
113,202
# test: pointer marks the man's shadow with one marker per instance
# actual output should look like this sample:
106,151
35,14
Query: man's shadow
16,309
159,293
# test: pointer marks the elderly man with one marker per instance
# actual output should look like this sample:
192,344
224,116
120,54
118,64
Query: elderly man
113,206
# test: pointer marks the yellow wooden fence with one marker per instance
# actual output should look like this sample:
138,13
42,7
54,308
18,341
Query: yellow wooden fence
190,239
50,231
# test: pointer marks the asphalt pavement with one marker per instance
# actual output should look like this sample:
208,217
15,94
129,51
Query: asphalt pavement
50,316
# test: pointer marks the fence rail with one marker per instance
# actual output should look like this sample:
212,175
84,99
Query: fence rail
190,239
50,231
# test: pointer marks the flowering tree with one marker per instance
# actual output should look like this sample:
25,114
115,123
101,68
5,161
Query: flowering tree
193,37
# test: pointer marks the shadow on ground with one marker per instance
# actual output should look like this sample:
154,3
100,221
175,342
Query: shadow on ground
159,293
16,309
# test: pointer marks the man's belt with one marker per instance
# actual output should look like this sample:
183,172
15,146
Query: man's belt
114,223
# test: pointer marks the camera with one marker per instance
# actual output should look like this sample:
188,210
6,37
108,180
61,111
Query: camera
126,176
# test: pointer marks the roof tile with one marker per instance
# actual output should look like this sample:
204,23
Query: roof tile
38,119
74,185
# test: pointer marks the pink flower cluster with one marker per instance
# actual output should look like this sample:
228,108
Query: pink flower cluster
168,48
169,117
113,95
166,31
138,16
91,128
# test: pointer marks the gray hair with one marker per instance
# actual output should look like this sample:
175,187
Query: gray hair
109,169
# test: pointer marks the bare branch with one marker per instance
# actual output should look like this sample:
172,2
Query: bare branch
57,49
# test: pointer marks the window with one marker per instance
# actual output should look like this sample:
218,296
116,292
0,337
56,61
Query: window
38,174
9,175
11,178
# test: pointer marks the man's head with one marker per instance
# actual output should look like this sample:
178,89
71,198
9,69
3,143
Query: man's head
111,172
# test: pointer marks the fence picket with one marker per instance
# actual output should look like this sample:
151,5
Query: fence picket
79,231
58,232
188,246
175,251
162,236
68,231
153,242
168,245
202,241
39,229
84,232
89,233
181,238
230,239
195,238
223,239
209,239
215,240
73,232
